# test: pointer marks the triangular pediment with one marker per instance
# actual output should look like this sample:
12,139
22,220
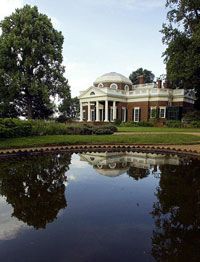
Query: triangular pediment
92,92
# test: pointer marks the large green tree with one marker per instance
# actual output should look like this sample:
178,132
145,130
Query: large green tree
31,71
182,37
148,76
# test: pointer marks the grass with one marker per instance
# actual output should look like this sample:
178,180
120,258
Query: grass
38,141
157,129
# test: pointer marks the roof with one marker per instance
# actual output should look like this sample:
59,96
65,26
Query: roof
113,77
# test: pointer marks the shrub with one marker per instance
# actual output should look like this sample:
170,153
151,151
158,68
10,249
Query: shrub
191,116
129,124
195,124
19,128
113,128
103,131
14,128
145,124
117,122
41,127
137,124
174,123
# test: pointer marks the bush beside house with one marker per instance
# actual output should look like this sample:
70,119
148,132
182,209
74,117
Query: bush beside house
20,128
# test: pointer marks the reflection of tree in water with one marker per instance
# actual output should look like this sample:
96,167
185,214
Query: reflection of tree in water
34,186
137,173
177,214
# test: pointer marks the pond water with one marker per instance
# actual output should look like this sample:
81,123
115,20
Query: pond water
114,206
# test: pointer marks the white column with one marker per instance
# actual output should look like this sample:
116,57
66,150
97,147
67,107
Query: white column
106,111
114,110
81,111
97,111
89,112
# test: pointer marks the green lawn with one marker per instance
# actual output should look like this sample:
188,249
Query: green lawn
94,139
157,129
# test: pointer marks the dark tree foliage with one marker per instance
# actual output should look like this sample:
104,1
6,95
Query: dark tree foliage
137,173
148,76
31,71
182,37
69,110
177,213
35,188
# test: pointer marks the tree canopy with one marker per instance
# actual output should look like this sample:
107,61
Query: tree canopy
148,76
31,70
182,37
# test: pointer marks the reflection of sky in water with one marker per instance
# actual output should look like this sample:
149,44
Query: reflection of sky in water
9,226
106,218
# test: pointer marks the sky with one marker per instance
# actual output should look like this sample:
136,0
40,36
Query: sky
102,36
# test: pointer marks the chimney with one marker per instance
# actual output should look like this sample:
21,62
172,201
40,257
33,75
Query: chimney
141,79
159,83
166,84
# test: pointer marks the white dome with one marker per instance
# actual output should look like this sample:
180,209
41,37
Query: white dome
111,172
113,78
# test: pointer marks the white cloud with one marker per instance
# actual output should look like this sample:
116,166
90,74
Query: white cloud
9,226
9,6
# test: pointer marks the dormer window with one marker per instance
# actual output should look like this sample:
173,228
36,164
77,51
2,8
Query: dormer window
114,86
92,93
100,85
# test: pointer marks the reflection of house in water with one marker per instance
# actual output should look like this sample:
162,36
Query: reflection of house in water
138,165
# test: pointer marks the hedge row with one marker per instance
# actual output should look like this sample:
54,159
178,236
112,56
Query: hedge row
169,123
137,124
19,128
179,124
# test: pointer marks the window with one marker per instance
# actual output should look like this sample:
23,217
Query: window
126,88
92,93
162,112
123,114
136,114
114,86
100,85
153,112
174,113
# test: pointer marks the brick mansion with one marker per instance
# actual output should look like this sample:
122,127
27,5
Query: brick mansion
113,96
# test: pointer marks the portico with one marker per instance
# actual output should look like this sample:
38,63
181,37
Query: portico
99,111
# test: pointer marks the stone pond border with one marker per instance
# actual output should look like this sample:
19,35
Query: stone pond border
157,149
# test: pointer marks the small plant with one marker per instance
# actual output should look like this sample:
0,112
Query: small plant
191,116
117,122
103,131
137,124
195,124
174,123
